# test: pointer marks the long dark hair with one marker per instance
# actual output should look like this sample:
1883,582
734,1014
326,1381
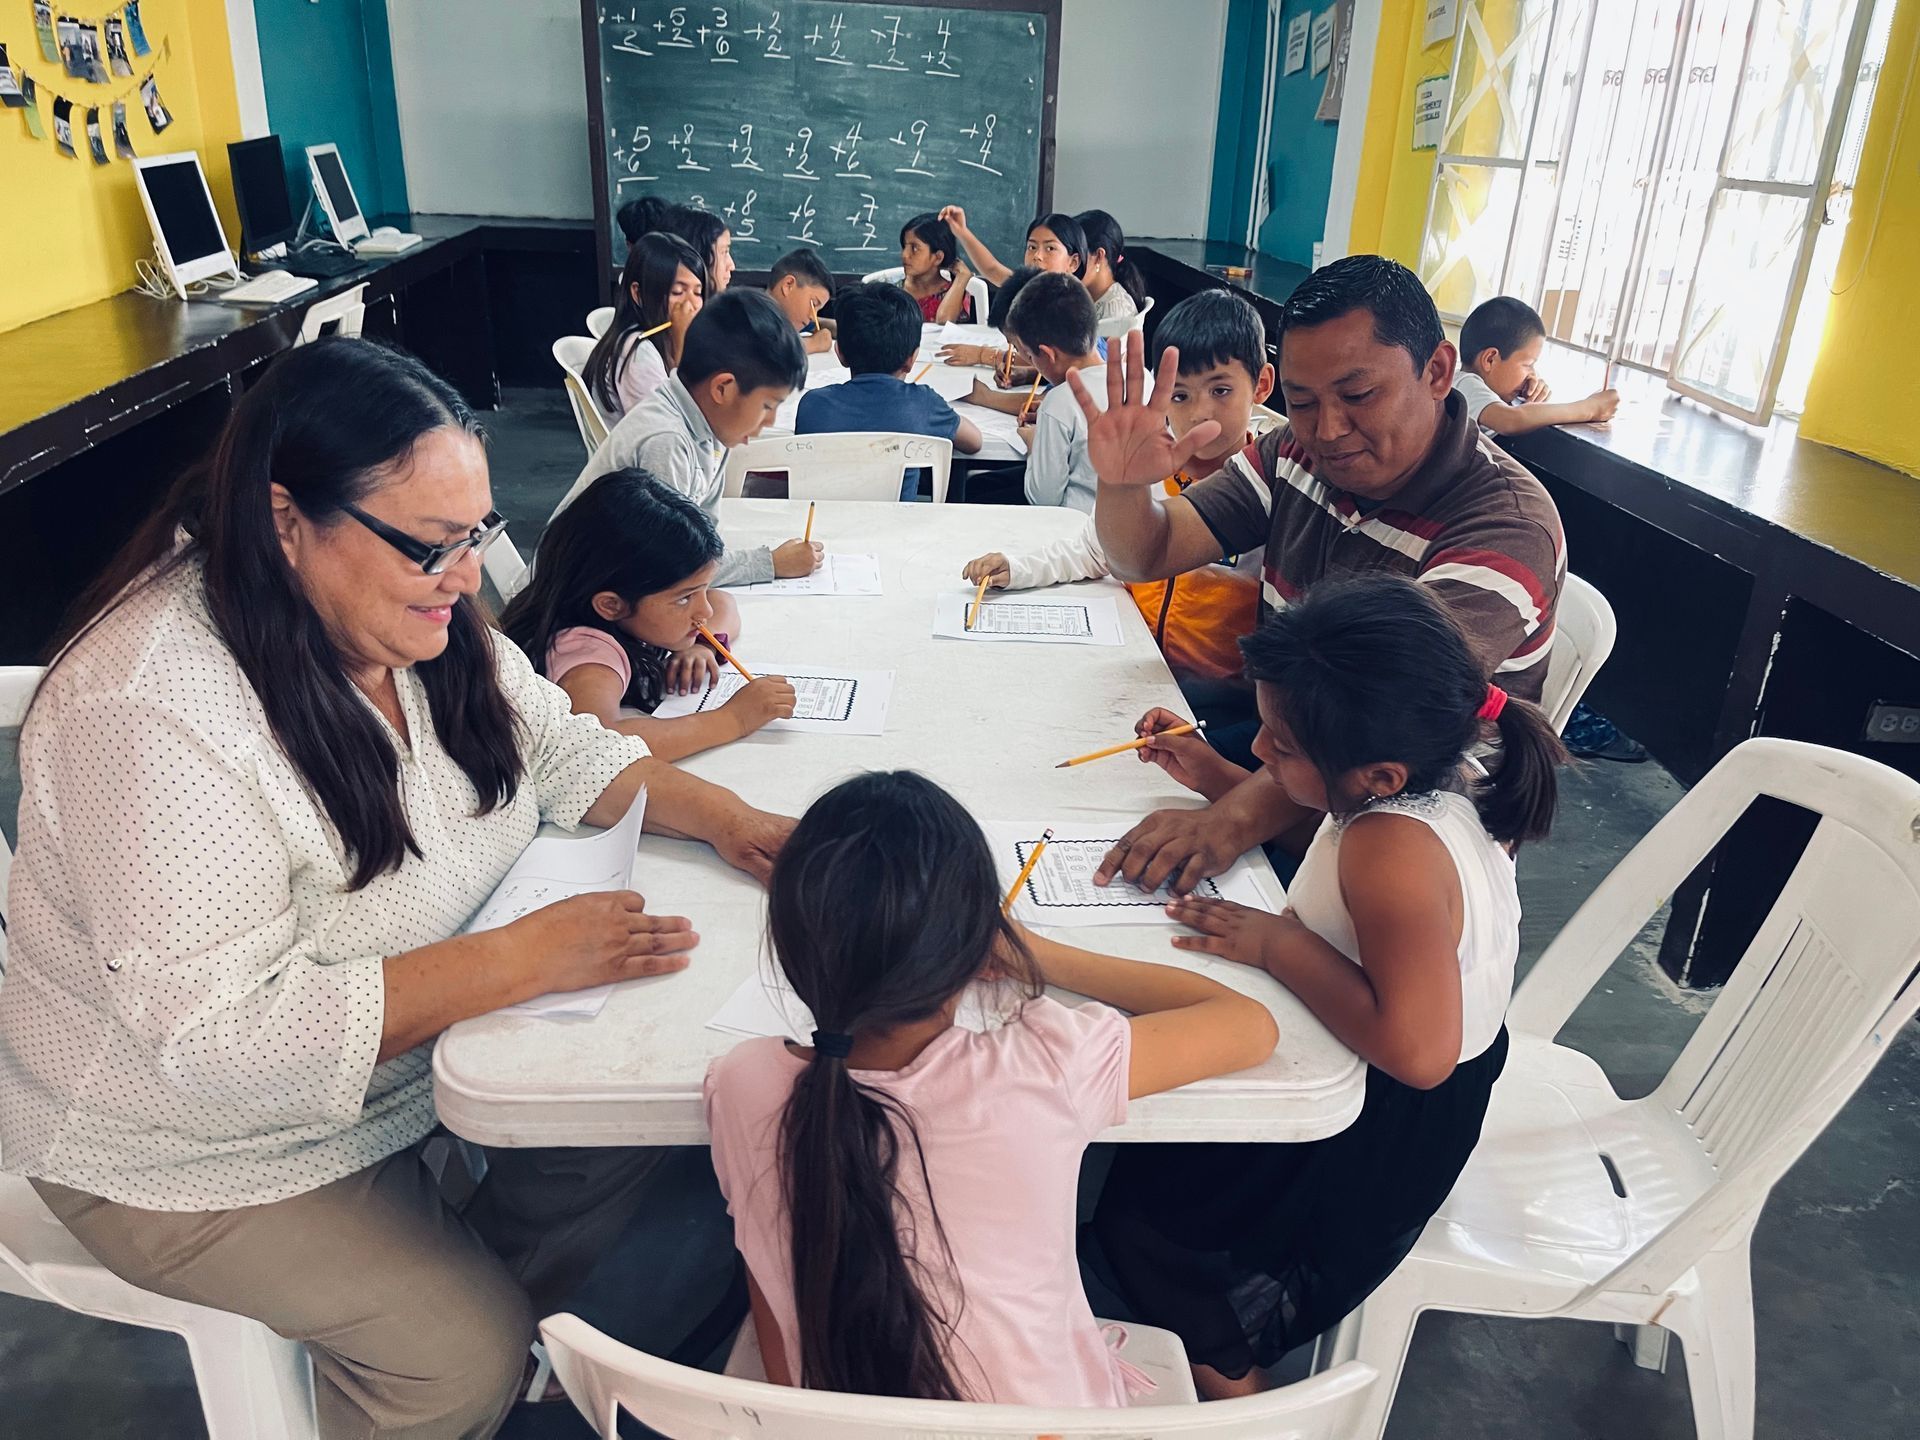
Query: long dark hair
653,263
1104,233
934,233
884,903
328,423
628,533
1375,670
1067,231
701,229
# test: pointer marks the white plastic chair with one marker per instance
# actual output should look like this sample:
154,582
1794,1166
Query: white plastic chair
17,684
504,566
977,291
1124,324
1580,1205
844,465
604,1378
599,321
1583,634
345,312
570,352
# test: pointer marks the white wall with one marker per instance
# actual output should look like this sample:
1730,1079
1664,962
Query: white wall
493,111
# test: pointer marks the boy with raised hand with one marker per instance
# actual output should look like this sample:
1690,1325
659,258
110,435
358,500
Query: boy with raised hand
1197,618
739,362
800,284
1500,343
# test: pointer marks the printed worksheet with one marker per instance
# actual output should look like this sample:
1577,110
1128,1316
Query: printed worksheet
766,1005
555,868
1060,891
826,702
837,575
1068,619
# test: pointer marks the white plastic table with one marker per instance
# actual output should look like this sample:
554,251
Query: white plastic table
988,721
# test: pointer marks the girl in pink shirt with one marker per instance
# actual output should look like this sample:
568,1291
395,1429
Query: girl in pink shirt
613,610
903,1189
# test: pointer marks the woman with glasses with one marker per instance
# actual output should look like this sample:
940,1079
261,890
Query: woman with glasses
265,785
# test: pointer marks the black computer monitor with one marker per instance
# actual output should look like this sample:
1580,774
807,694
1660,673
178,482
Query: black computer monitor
260,189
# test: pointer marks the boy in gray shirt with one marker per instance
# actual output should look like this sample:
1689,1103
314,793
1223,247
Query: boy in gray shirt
1052,323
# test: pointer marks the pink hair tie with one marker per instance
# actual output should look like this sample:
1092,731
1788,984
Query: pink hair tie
1495,702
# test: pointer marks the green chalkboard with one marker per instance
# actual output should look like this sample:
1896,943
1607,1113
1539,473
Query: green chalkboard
822,122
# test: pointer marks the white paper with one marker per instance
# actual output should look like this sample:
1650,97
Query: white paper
827,702
994,425
1430,111
1081,619
838,575
766,1005
1297,29
1061,890
554,868
1442,17
1322,40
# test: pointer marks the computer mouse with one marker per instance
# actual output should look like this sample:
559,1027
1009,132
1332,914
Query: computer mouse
387,230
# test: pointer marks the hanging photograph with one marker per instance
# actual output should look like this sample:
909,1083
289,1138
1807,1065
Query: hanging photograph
70,58
10,95
93,55
122,141
157,115
32,112
63,126
43,27
96,142
117,47
136,32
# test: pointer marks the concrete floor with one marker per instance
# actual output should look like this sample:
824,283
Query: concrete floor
1836,1256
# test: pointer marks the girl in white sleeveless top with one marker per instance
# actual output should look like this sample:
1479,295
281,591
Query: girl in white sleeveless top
1401,935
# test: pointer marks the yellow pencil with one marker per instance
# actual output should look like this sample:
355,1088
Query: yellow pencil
663,325
1026,870
724,653
923,372
1006,366
1027,404
973,610
808,536
1144,740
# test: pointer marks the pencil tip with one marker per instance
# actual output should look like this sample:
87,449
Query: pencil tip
1063,765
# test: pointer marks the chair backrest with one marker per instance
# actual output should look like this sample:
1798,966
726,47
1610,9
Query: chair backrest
1124,324
1812,1002
604,1377
570,352
599,321
17,684
1583,632
847,465
504,567
345,312
977,290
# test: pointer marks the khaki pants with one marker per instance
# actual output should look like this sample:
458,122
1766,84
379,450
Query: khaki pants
417,1317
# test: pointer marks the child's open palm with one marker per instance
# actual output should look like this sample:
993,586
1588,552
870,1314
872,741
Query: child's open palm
1129,442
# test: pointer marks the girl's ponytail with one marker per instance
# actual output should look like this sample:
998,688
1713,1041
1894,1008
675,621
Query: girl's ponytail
1517,800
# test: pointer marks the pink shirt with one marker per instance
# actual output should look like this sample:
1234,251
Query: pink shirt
584,645
1003,1117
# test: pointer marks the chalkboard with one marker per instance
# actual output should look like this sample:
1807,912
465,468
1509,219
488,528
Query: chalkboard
822,122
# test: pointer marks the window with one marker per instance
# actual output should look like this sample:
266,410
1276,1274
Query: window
1664,180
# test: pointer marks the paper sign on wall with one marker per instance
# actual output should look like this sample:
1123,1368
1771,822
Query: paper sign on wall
1430,111
1442,17
1336,83
1297,29
1322,40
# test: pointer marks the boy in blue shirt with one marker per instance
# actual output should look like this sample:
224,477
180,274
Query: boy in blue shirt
877,335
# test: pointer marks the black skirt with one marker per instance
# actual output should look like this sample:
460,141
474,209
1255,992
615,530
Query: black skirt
1247,1251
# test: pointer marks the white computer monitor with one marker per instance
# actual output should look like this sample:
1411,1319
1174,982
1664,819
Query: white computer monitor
187,236
335,193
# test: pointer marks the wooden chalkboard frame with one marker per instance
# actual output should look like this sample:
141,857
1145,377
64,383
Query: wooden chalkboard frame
597,119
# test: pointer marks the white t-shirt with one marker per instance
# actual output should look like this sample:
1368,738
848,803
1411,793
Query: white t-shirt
1476,392
1058,469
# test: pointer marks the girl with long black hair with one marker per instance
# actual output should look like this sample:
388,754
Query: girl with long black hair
662,287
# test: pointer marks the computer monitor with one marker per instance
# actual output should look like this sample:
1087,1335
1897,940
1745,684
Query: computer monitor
187,236
335,193
267,220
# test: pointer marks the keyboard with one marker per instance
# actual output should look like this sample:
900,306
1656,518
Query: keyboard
269,289
321,264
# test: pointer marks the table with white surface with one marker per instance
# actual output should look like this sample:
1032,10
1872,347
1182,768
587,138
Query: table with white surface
987,721
954,382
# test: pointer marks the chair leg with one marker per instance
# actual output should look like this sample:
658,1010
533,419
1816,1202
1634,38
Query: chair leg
1646,1343
1378,1333
254,1385
1716,1336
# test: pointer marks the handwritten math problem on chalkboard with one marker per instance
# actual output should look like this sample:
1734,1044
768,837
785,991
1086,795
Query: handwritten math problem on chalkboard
823,123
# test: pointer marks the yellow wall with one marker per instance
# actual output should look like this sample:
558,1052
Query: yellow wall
1863,396
1390,198
71,230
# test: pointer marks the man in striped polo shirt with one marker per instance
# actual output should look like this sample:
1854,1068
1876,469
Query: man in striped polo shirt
1378,468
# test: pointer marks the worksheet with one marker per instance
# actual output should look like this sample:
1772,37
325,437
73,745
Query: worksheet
1070,619
555,868
1060,891
837,575
827,702
766,1005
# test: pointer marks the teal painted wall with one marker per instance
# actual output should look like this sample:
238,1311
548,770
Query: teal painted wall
328,74
1299,153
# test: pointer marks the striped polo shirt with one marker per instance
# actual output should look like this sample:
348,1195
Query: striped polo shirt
1472,522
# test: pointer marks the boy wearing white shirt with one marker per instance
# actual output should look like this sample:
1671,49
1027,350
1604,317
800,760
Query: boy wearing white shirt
1500,343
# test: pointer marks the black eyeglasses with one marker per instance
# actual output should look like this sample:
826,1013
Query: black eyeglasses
433,559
